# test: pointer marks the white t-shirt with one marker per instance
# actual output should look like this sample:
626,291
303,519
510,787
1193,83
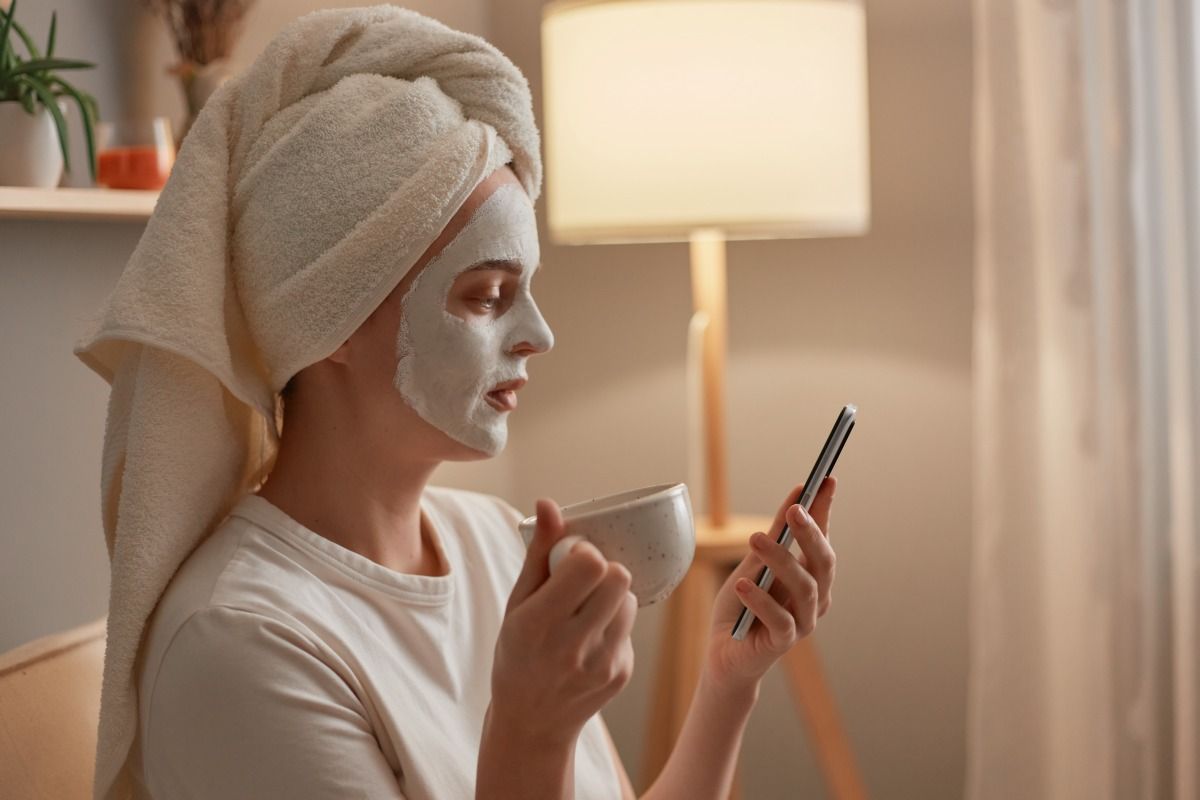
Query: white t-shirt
279,664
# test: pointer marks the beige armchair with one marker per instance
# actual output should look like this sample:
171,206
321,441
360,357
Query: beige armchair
49,709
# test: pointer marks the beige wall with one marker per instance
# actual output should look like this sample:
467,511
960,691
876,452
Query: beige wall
883,321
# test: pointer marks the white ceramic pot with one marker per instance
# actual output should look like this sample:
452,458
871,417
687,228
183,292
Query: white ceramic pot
30,154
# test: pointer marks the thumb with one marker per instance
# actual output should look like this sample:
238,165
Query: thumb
823,503
549,530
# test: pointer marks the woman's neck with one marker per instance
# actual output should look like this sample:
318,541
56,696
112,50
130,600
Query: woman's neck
335,490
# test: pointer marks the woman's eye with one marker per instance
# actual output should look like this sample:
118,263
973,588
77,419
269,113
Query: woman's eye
489,303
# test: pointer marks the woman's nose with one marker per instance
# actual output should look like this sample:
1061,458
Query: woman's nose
531,331
528,348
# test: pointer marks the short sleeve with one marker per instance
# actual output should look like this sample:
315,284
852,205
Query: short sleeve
243,706
512,515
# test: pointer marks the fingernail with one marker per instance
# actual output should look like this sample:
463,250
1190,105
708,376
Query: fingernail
743,585
759,539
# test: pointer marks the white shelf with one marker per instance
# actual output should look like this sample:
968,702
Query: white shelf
124,205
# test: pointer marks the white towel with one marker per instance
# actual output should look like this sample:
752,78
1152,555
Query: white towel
306,189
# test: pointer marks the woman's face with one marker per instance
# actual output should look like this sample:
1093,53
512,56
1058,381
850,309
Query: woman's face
460,322
463,334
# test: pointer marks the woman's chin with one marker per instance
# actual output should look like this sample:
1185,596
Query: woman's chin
487,441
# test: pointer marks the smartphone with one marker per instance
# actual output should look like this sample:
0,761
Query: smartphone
824,465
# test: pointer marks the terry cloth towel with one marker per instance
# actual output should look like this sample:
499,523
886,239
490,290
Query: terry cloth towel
307,187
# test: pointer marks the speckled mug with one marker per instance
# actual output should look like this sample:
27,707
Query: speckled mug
649,530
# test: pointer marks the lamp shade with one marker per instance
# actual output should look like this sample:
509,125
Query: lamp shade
665,116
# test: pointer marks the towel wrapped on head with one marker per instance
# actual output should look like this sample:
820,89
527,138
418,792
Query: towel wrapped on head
305,190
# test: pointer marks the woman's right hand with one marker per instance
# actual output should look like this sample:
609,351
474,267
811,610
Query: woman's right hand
564,649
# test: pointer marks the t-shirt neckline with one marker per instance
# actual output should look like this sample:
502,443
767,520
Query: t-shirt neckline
418,589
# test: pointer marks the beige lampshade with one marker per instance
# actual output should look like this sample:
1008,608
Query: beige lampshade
664,116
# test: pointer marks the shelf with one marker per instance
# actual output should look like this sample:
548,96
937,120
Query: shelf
66,203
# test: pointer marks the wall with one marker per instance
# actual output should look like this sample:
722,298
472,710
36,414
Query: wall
883,321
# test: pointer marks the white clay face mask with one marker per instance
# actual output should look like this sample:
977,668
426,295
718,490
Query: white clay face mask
446,365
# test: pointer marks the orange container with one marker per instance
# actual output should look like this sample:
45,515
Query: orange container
142,167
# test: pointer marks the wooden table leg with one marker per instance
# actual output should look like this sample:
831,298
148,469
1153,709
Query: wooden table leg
659,732
682,652
813,698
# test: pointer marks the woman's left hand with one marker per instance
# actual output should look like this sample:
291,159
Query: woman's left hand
788,611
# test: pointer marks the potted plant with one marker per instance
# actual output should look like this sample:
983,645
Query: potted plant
31,111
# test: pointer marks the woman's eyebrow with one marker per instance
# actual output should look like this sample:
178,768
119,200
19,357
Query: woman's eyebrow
513,267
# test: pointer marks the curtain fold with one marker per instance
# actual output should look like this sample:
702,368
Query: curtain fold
1084,607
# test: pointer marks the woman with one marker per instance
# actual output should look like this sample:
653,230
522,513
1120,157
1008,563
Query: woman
347,630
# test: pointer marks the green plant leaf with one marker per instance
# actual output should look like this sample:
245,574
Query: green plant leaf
8,61
25,37
5,50
86,105
51,103
43,64
50,41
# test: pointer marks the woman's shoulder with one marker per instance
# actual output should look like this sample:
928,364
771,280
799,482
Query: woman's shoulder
231,678
235,568
231,567
194,583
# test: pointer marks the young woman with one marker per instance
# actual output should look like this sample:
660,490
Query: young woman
346,629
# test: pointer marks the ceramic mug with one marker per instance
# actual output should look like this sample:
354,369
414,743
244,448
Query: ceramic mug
649,530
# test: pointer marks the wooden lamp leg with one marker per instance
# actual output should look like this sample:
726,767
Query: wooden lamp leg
707,250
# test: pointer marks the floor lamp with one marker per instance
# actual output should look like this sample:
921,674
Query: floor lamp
704,121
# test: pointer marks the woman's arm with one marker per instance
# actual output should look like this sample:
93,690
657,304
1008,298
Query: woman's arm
627,792
705,756
510,766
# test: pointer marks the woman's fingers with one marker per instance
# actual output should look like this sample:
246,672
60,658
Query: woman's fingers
801,586
780,622
819,559
609,612
604,602
781,515
621,626
822,504
567,590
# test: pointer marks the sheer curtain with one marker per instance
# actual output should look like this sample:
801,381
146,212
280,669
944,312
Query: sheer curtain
1085,592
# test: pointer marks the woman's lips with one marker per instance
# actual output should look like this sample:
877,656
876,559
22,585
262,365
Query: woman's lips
505,400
